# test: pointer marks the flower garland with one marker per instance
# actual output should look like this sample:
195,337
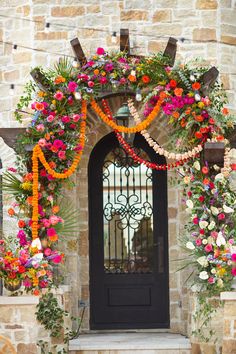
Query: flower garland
155,146
39,155
132,153
141,126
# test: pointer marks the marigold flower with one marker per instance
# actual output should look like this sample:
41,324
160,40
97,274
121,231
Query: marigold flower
11,211
55,209
196,86
178,91
132,78
145,79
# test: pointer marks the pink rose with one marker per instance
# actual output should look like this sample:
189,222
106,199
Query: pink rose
42,142
100,51
46,222
233,272
233,257
40,128
221,216
72,86
90,83
58,143
76,117
58,95
47,252
65,119
103,80
198,242
50,118
51,232
210,280
214,234
57,258
62,155
54,219
208,248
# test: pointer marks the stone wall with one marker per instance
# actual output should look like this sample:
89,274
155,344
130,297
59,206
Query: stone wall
208,29
229,334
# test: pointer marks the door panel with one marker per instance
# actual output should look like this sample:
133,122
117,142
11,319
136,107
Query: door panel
128,229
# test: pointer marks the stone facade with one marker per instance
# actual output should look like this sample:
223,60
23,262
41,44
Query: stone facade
208,30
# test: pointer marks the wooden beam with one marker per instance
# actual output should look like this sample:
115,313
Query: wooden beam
77,49
171,49
214,153
40,80
208,79
9,135
124,41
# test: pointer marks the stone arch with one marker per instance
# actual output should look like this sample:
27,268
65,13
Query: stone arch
96,131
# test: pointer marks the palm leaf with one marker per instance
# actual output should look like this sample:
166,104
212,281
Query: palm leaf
70,216
10,183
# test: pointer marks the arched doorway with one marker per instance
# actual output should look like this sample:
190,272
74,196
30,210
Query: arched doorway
128,228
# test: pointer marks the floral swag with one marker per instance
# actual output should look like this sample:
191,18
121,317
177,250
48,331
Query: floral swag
176,96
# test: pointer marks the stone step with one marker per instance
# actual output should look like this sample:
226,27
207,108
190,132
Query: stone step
128,343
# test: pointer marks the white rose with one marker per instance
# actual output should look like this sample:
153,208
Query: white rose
203,224
187,179
189,203
190,245
227,209
213,271
211,225
220,239
219,177
203,261
203,275
210,240
214,210
204,241
197,166
220,283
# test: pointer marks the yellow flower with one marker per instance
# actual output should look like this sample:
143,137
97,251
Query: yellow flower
27,186
201,104
41,94
221,272
54,102
103,73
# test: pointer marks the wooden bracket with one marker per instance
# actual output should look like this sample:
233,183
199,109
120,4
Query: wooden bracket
124,41
214,153
171,49
40,80
208,79
76,46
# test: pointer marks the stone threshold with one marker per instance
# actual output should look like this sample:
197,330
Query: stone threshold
130,341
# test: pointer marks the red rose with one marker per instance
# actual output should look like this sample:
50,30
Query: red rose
173,83
205,170
202,232
201,198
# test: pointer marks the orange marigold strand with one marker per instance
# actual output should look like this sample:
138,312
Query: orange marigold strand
143,125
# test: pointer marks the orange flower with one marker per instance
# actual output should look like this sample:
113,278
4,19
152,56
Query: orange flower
132,78
96,72
188,111
220,138
205,170
53,238
39,106
196,85
55,209
29,200
28,177
21,223
59,79
178,91
145,79
47,136
183,123
36,292
199,118
206,181
11,211
162,95
198,135
103,73
52,164
176,115
225,111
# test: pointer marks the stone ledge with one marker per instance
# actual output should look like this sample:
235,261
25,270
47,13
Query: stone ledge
228,296
19,300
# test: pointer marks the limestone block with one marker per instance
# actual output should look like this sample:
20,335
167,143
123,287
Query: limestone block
26,348
204,34
51,36
6,314
93,9
229,346
134,15
67,11
206,4
162,16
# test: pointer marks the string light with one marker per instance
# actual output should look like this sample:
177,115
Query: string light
114,38
47,27
14,47
75,63
138,96
12,89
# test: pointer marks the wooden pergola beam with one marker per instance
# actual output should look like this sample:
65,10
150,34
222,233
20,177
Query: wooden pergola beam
208,79
124,41
171,49
10,135
40,80
78,51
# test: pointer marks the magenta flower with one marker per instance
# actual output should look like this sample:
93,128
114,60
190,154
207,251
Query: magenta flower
109,67
72,86
233,257
198,242
208,248
58,143
51,232
100,51
62,155
90,83
50,118
65,119
103,80
58,95
47,252
221,216
76,117
233,272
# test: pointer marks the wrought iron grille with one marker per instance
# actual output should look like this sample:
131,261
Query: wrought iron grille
128,214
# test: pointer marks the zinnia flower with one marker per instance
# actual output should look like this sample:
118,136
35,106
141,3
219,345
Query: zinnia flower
145,79
233,257
58,95
100,51
196,86
72,86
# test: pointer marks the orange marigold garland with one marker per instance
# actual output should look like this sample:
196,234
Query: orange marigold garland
39,155
121,129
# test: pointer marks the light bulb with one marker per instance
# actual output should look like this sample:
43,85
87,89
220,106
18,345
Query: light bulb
133,72
78,96
197,97
47,27
12,89
192,77
113,38
14,46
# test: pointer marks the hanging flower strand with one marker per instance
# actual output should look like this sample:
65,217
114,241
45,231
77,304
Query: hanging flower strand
155,146
39,155
132,153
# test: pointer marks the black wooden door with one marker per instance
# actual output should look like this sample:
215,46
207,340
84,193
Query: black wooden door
128,227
